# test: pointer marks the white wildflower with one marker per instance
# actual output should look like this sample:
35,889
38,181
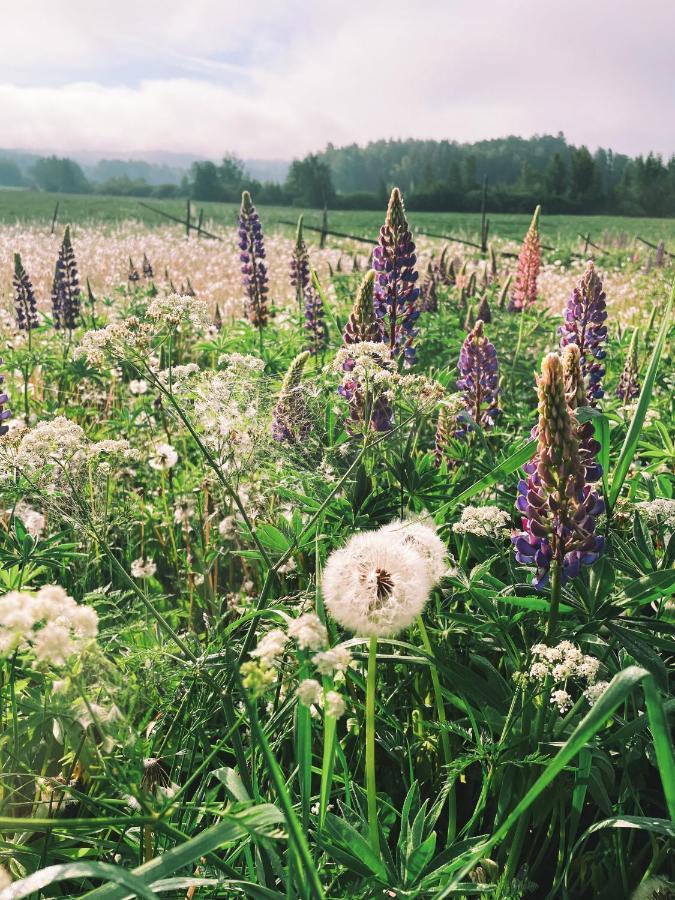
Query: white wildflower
335,705
53,644
138,386
270,647
374,586
337,659
309,632
33,521
165,457
143,568
424,539
484,521
594,691
562,700
658,512
539,671
177,308
183,512
227,528
309,692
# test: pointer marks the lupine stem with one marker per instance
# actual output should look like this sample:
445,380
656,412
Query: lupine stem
371,789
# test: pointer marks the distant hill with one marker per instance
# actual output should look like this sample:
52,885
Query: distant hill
154,168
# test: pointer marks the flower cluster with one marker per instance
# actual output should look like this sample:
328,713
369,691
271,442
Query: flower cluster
379,582
117,338
176,309
484,521
24,298
395,282
366,369
50,624
658,512
558,504
562,663
479,379
584,326
529,262
310,634
253,268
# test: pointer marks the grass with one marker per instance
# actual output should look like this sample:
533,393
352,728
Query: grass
32,207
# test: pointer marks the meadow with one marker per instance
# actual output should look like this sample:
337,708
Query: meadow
330,575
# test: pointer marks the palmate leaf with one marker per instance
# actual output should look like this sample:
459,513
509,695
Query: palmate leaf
41,879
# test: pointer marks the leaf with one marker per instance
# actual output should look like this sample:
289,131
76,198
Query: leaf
540,604
255,820
41,879
419,859
504,468
352,846
650,587
635,429
642,653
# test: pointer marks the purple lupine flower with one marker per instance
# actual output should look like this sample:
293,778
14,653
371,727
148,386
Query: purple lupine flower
289,416
396,292
364,394
66,294
147,267
575,394
362,324
133,275
629,383
429,293
299,267
558,504
254,270
483,311
529,262
4,413
584,326
660,255
24,298
479,379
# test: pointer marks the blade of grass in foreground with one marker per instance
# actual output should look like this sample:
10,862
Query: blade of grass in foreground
633,433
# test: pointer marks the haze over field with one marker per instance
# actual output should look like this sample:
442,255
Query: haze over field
271,80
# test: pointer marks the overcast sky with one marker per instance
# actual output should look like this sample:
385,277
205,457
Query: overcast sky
279,78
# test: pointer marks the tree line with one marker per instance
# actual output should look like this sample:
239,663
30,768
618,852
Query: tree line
512,174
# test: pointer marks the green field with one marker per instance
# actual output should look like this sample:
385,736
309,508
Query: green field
33,207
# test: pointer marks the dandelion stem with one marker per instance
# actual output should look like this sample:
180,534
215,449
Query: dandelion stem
371,790
442,720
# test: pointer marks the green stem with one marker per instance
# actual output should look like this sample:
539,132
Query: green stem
442,720
371,789
555,599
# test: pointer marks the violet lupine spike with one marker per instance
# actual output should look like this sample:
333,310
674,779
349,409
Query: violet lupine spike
315,321
629,383
4,413
660,255
428,292
362,324
289,416
147,267
575,395
483,310
133,275
66,296
479,380
300,277
529,262
396,292
558,504
584,325
253,268
24,298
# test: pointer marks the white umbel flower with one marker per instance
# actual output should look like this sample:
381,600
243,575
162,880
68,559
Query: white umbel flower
335,705
375,586
270,647
143,568
308,631
424,540
309,692
337,659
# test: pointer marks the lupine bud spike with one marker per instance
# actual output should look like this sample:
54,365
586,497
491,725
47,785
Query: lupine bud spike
629,384
529,263
362,324
289,421
479,380
483,311
4,413
503,294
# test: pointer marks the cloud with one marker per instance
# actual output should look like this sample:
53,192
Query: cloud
276,80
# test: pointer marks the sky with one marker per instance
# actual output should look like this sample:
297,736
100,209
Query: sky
281,78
